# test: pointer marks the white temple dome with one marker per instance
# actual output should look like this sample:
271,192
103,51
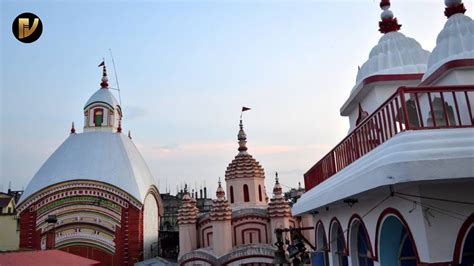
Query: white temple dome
106,157
394,54
455,41
103,95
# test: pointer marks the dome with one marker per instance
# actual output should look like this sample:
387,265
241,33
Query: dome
244,166
394,54
103,95
455,41
106,157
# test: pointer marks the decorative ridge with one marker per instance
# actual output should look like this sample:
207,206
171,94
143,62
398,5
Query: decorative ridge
278,206
220,210
188,212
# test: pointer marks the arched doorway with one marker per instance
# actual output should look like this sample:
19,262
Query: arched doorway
396,247
359,245
337,244
320,257
464,250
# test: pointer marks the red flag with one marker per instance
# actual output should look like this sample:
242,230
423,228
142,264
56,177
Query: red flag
102,64
245,108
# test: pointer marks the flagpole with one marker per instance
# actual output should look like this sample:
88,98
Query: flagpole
116,77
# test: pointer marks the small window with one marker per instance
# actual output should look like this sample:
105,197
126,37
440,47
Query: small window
231,194
98,117
9,209
246,193
260,193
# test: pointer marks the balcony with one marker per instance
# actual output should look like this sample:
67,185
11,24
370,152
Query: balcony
409,108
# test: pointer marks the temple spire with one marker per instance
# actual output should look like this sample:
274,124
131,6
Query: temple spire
389,23
220,191
242,137
453,7
105,80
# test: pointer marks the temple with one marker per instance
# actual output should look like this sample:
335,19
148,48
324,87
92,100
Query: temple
239,229
397,189
94,196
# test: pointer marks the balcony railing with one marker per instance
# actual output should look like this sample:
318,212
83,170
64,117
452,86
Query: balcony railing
414,108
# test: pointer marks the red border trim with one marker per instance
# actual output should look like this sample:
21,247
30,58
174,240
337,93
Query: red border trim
393,212
445,67
202,234
391,77
356,217
249,222
331,224
248,256
325,240
251,229
197,259
461,238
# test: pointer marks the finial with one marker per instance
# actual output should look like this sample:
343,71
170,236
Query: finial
389,23
277,190
453,7
73,130
105,80
119,128
220,191
129,135
242,137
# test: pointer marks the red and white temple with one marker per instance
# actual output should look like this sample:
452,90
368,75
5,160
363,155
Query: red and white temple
397,190
239,229
94,196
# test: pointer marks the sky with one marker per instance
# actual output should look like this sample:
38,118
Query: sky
185,69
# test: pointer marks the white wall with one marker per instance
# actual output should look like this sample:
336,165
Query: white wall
151,221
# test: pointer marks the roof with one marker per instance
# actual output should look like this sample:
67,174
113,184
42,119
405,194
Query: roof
103,95
4,201
244,166
411,156
106,157
44,258
455,41
394,54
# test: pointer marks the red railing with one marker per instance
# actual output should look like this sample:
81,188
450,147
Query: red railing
413,108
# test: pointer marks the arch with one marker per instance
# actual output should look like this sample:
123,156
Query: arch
246,193
151,225
260,193
337,244
98,116
359,244
395,240
465,240
231,192
320,257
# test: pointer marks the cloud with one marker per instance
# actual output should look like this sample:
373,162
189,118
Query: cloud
224,147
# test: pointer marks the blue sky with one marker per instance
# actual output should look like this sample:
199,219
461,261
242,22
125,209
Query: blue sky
185,69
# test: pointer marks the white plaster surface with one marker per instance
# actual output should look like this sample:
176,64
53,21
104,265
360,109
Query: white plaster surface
407,157
394,54
100,156
150,225
455,41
